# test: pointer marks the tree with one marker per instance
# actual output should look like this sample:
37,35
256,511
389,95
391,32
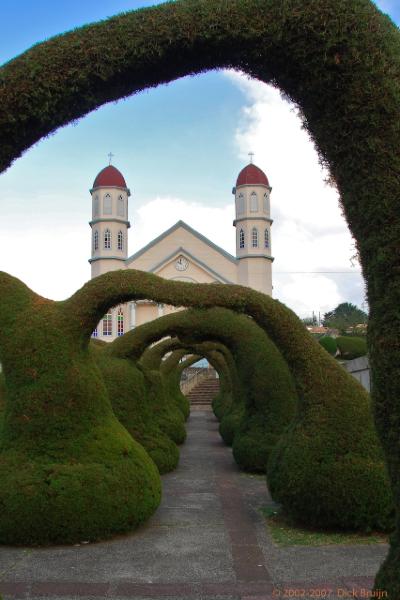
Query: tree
345,315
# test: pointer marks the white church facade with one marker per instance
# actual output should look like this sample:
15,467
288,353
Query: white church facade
180,253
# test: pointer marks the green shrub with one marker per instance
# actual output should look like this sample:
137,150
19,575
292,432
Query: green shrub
266,400
329,344
2,397
132,404
176,406
68,469
331,403
351,347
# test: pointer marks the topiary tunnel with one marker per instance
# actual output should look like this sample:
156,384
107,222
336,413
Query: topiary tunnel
267,406
338,60
55,371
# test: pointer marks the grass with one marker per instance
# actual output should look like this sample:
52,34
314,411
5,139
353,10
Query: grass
285,532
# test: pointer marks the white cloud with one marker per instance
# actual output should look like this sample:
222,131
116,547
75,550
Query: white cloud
309,231
154,217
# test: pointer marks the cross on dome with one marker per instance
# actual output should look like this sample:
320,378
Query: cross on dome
110,156
251,154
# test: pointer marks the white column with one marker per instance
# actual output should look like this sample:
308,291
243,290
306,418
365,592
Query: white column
132,315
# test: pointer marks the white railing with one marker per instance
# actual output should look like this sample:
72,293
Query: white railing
195,378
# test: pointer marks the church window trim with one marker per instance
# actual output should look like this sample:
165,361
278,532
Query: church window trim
241,239
266,203
107,324
120,321
240,204
254,237
120,240
120,207
95,240
107,205
266,238
96,206
107,239
253,202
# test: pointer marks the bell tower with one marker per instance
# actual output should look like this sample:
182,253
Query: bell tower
109,221
253,229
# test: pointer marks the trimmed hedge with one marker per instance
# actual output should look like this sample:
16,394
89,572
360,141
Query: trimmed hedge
331,402
69,471
172,372
166,411
329,344
351,347
131,401
268,400
311,50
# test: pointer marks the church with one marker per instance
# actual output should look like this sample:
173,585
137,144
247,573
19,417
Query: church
180,253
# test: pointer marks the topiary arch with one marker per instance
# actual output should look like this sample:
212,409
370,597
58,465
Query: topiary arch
338,60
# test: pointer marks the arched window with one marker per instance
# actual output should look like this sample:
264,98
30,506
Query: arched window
120,240
241,238
107,239
120,207
95,334
107,324
266,238
107,205
240,204
120,321
96,206
96,240
253,202
254,237
266,203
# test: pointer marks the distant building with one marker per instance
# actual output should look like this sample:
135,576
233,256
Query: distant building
180,253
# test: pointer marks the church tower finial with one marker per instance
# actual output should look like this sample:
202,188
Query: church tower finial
251,154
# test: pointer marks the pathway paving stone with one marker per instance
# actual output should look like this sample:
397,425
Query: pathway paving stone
208,540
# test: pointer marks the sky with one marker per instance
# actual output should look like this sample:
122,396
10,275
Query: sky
180,147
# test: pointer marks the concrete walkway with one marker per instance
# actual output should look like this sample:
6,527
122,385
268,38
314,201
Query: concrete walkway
207,540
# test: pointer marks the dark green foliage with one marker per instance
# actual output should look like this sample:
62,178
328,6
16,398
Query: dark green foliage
68,469
267,398
2,394
175,403
329,344
329,399
132,404
338,60
351,347
172,373
345,316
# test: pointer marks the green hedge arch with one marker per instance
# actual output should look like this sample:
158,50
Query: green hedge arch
254,424
338,60
133,403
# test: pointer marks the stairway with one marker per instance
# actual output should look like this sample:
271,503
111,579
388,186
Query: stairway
201,396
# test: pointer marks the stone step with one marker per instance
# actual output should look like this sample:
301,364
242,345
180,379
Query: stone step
204,392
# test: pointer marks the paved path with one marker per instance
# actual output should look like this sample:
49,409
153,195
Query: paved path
208,540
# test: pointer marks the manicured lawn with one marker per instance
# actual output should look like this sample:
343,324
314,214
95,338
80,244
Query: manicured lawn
285,533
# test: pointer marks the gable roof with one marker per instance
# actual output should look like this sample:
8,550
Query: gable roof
194,259
195,233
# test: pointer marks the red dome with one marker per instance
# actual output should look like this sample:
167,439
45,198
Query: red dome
252,175
109,177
